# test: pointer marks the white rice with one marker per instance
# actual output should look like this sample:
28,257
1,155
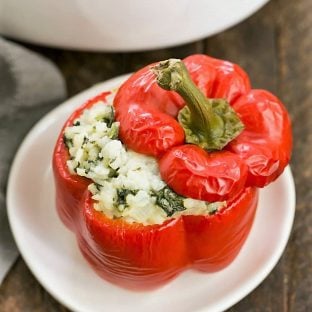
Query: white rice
125,183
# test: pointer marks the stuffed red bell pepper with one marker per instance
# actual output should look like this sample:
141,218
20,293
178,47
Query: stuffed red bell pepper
164,175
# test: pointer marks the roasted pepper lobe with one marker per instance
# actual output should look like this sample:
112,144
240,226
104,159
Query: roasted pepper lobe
263,146
136,256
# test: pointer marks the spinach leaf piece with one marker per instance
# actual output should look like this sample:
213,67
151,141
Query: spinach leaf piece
169,201
113,131
122,195
109,118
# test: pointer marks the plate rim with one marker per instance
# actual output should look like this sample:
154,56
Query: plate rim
231,299
243,291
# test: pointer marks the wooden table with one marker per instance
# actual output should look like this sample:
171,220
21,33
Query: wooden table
275,48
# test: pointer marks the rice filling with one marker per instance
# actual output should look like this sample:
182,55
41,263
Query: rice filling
125,184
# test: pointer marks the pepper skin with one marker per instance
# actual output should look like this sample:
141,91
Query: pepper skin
148,125
141,257
145,257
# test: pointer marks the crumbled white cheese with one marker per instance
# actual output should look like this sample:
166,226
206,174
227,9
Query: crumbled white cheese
125,182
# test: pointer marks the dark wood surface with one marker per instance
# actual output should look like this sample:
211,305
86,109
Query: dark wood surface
275,47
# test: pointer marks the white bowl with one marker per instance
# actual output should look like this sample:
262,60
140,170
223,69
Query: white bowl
119,25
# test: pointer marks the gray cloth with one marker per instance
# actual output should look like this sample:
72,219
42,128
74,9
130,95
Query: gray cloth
30,86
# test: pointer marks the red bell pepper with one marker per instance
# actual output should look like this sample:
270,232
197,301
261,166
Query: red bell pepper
148,124
142,257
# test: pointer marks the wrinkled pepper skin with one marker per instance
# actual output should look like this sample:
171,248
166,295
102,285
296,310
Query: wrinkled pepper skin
141,257
148,125
144,257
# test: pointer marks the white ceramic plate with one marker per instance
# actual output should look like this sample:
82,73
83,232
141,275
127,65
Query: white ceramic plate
51,252
119,25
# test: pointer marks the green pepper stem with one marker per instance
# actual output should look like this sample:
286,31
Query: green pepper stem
207,122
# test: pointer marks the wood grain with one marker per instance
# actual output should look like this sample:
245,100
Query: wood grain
275,47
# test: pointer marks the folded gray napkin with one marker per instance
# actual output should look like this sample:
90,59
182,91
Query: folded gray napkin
30,86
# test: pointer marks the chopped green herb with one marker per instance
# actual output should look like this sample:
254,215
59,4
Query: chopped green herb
68,142
122,195
113,173
77,167
85,140
109,118
213,208
77,123
169,201
212,212
108,121
113,131
98,186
